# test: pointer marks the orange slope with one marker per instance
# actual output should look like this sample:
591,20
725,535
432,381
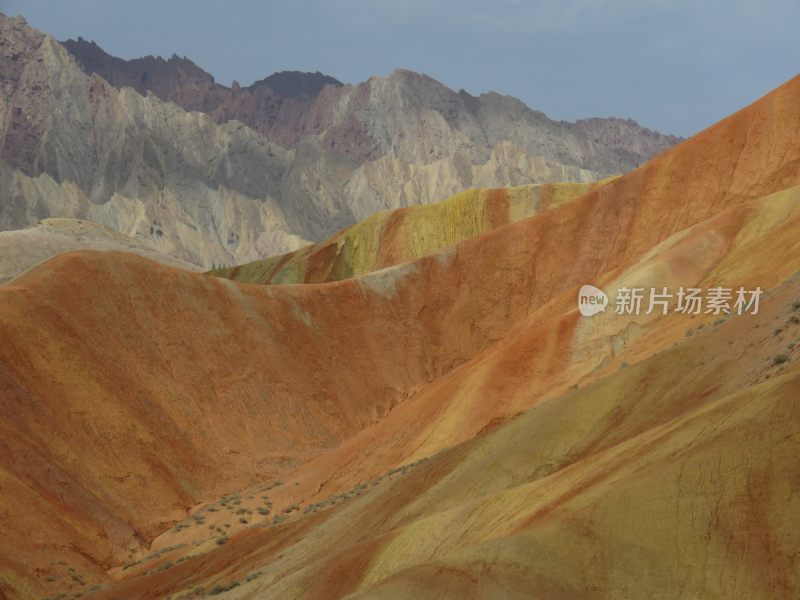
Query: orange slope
132,391
676,467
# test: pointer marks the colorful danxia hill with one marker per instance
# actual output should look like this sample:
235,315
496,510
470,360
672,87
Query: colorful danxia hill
415,408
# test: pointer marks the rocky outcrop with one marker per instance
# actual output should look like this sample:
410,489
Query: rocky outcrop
75,146
406,115
273,106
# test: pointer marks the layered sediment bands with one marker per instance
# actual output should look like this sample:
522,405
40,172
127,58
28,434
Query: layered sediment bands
651,445
133,391
393,237
171,388
603,458
652,469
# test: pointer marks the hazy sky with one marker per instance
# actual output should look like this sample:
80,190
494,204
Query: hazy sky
673,65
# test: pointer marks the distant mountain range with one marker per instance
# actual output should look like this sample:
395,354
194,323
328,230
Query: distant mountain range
159,151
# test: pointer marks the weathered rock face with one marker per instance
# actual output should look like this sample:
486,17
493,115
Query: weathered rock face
75,146
273,106
406,115
90,136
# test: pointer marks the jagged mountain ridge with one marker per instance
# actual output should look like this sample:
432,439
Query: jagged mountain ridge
280,98
311,158
290,106
74,146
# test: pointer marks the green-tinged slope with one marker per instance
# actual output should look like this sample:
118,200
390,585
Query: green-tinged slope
391,237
